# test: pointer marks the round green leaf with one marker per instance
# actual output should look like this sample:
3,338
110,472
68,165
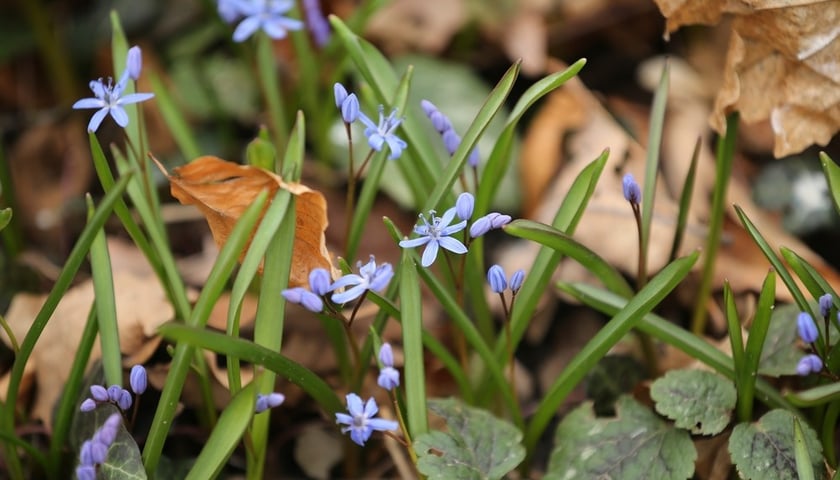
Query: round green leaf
636,444
477,446
765,449
696,400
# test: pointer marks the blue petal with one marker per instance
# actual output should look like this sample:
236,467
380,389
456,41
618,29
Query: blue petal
367,122
274,29
343,418
96,119
415,242
452,244
371,408
396,145
89,103
98,88
135,97
453,228
354,404
119,115
360,435
446,219
349,279
350,294
376,141
382,425
429,254
246,28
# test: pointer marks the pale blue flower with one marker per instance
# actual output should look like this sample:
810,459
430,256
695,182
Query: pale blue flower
389,377
268,15
264,402
807,328
632,191
435,234
383,133
360,422
108,99
464,205
491,221
370,277
304,297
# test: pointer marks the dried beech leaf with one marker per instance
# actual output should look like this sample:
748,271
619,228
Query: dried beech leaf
781,67
222,191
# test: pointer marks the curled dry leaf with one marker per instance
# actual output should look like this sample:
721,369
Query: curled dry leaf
222,191
783,65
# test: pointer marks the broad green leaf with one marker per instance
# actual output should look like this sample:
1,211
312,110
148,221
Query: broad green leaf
636,444
477,446
696,400
765,449
614,376
780,355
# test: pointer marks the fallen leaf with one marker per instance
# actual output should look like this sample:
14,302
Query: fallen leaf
222,191
782,65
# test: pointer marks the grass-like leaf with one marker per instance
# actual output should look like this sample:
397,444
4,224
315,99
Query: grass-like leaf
804,468
412,331
832,174
754,347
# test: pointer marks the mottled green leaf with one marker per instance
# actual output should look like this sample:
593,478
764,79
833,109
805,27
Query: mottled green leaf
765,449
636,444
780,354
477,446
696,400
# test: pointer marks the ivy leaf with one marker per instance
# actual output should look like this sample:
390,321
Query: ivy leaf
696,400
636,444
477,446
765,449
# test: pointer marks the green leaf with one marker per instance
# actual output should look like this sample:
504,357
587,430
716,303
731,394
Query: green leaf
123,460
832,174
780,355
696,400
5,217
477,446
804,469
412,326
636,444
765,449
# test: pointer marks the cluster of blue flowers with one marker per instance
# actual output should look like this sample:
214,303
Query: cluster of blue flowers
378,134
115,394
436,232
809,333
370,277
252,15
451,139
108,98
94,452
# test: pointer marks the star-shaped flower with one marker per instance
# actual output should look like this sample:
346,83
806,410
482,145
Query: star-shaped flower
109,99
370,277
435,234
383,133
268,15
360,423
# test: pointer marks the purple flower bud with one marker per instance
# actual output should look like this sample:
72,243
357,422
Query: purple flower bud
350,108
496,279
85,453
826,302
86,472
108,432
809,364
516,280
99,393
340,94
88,405
440,122
264,402
125,400
275,399
138,379
319,281
98,452
473,159
480,227
386,355
389,378
318,25
134,62
464,205
428,107
499,221
114,393
632,191
451,141
304,297
806,327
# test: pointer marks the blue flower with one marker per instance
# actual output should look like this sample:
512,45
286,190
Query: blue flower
809,364
304,297
464,205
807,328
268,15
134,62
108,99
264,402
632,191
516,281
383,133
370,277
491,221
389,377
826,302
436,234
360,422
318,25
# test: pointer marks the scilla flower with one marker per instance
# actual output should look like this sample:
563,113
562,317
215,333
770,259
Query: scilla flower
370,277
379,135
268,15
360,422
389,377
436,234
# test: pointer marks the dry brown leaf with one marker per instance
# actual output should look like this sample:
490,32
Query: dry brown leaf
416,25
783,65
222,190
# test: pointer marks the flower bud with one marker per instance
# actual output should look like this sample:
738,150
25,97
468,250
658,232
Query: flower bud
516,280
350,108
134,62
496,279
138,380
319,281
809,364
632,191
807,328
826,302
464,205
